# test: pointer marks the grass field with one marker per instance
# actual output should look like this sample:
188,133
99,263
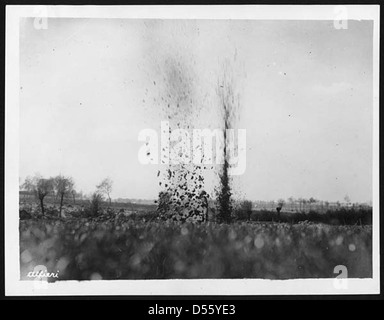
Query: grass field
126,248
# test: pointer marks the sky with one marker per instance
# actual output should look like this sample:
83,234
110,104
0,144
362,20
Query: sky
89,86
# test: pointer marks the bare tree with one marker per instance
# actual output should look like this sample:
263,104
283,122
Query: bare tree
29,184
63,186
301,201
291,202
74,194
311,201
43,188
40,187
246,207
105,188
280,205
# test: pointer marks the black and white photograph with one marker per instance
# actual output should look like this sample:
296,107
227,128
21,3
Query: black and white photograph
154,150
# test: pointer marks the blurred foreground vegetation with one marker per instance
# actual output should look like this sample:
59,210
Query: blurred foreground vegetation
133,248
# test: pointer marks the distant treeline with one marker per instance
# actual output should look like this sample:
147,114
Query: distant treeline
306,205
342,216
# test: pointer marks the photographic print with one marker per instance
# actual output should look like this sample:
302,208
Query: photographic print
192,150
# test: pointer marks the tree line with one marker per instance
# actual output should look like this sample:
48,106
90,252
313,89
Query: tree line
61,187
303,204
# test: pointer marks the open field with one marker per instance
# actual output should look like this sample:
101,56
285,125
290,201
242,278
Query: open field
126,248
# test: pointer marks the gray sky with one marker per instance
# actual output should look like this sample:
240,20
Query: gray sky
88,86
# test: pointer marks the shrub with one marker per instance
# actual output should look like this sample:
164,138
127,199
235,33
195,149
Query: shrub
95,205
